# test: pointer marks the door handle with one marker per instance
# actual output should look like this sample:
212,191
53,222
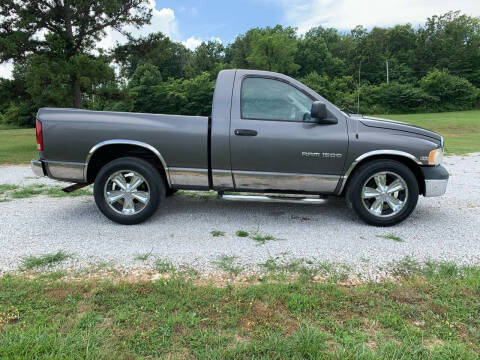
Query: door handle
245,132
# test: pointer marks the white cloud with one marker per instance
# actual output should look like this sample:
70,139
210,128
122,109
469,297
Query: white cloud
162,21
192,42
6,70
346,14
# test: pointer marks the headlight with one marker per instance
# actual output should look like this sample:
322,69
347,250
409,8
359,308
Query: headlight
435,157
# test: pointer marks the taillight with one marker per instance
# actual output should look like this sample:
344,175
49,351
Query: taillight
39,134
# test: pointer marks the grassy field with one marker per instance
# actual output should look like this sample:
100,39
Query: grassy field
432,313
17,146
460,129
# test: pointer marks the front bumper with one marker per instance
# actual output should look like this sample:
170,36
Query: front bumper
436,180
37,167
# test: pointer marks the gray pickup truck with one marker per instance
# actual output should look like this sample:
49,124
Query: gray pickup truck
270,138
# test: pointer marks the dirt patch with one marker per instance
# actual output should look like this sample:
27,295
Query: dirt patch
431,344
59,294
269,315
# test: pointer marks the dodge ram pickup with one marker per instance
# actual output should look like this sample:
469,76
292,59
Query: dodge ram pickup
269,138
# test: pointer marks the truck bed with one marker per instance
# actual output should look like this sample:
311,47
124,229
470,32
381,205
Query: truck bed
69,134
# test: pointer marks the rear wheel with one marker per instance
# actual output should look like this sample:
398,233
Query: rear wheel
128,190
383,192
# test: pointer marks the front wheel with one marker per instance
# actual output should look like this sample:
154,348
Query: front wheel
128,190
383,192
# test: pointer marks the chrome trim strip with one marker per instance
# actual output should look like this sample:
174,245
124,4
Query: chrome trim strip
222,179
373,153
37,167
285,181
126,142
435,187
64,170
188,177
264,198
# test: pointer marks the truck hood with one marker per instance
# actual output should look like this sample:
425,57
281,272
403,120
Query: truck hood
397,125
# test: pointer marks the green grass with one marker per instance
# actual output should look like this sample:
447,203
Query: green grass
217,233
164,266
47,260
432,314
391,237
242,233
8,192
144,257
228,264
262,239
17,146
461,129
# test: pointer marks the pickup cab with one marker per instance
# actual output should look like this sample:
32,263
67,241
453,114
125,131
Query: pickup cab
269,138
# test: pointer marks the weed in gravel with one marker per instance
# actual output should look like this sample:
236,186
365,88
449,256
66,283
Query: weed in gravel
4,188
27,191
31,262
144,257
391,237
22,192
217,233
262,239
271,265
227,264
405,267
164,266
242,233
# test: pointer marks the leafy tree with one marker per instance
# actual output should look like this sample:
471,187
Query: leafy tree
270,49
453,92
72,26
207,56
314,55
170,58
450,41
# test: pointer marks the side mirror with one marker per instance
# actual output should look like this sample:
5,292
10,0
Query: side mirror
320,115
319,110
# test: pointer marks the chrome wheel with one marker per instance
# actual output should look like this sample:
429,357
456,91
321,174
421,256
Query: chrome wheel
126,192
385,194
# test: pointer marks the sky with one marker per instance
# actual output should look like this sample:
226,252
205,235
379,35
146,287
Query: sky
194,21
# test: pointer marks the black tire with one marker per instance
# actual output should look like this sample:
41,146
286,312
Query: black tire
152,178
364,174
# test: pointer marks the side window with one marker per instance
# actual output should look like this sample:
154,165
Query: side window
269,99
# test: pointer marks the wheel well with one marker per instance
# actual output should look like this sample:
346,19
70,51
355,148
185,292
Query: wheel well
108,153
412,165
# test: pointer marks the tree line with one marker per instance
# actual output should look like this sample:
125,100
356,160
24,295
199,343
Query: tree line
400,69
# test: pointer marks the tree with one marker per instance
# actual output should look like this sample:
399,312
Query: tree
170,58
454,93
207,56
450,41
270,49
72,28
314,54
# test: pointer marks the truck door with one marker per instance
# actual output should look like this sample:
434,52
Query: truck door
274,145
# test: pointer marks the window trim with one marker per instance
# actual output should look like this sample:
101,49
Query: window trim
270,78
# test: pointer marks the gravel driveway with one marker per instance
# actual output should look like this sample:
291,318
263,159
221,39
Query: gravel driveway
445,228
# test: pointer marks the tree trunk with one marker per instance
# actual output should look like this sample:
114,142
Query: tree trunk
70,52
77,94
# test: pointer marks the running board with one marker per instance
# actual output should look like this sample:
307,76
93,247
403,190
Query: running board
275,198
